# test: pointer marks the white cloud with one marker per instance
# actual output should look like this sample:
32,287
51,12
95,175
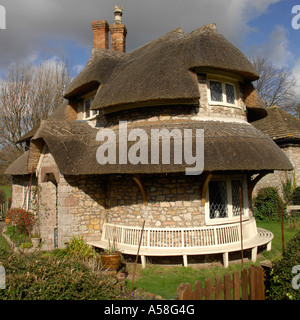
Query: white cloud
47,25
276,48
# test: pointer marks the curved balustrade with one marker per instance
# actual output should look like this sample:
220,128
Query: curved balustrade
185,241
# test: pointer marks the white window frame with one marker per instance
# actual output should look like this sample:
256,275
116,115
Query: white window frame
231,217
224,81
90,98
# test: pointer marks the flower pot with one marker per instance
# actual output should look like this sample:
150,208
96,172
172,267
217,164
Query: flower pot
111,261
35,242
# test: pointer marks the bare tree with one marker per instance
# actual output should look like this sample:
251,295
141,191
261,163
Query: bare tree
28,95
276,85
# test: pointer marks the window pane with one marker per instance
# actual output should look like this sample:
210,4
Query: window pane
87,105
218,199
230,93
235,186
216,91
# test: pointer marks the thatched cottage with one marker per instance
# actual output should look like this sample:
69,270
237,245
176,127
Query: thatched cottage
93,159
284,129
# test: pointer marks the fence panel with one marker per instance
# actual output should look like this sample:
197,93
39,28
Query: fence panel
248,286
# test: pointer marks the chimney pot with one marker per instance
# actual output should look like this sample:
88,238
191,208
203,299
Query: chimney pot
118,32
118,11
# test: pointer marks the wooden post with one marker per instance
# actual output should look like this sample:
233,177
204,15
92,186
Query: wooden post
282,230
208,289
218,288
227,286
244,284
198,290
207,177
252,282
137,255
241,226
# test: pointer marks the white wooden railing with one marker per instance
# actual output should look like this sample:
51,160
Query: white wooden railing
223,238
172,238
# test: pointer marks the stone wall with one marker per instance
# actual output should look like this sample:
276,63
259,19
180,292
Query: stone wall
278,177
74,205
173,201
21,190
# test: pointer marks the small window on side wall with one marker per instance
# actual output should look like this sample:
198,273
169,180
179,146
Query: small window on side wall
222,93
226,198
88,113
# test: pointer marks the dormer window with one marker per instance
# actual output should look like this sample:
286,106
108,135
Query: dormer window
222,93
89,114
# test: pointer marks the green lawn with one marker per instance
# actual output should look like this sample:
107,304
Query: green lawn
7,190
164,281
290,230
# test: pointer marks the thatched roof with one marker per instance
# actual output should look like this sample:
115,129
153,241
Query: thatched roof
159,73
97,71
19,166
27,136
279,125
227,146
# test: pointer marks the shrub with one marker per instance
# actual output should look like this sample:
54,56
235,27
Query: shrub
281,274
2,196
45,277
24,220
267,204
77,248
16,236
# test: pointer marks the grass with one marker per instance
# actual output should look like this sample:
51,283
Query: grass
163,281
290,229
7,190
3,244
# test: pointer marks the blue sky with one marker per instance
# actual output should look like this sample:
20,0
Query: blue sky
61,28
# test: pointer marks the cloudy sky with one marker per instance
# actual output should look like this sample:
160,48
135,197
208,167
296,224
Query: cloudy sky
61,28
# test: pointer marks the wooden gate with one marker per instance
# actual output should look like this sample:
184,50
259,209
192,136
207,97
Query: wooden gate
250,286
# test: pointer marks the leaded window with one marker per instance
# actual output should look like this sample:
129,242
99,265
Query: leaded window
218,204
222,92
216,92
226,197
236,185
230,98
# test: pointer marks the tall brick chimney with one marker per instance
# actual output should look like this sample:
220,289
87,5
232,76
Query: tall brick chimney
118,32
100,34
